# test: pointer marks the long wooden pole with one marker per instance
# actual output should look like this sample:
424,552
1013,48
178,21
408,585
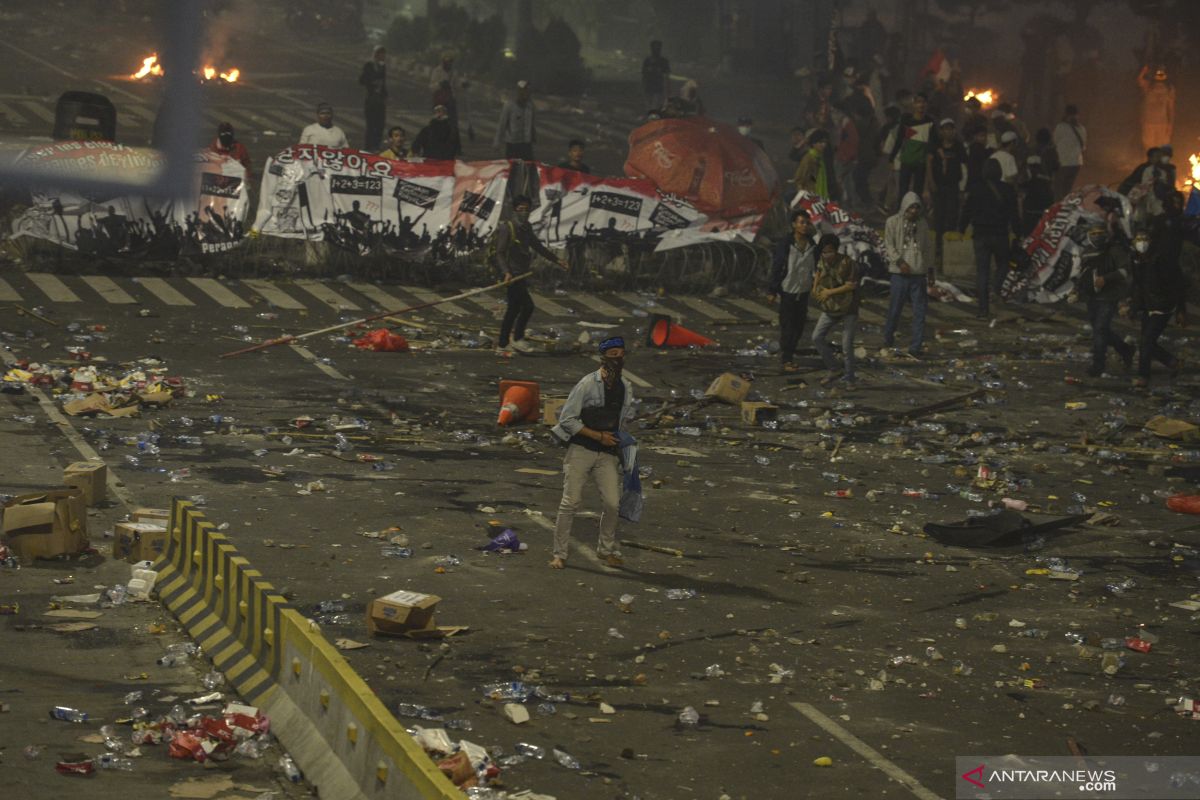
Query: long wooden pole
288,339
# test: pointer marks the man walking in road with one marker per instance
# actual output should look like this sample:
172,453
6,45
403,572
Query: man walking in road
991,211
906,245
323,132
791,281
1103,282
374,79
1070,140
590,422
1159,292
835,288
516,129
516,245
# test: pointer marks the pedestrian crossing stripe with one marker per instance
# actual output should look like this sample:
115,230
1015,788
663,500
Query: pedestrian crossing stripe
38,110
601,307
328,296
164,291
106,288
426,296
7,292
217,292
53,288
274,295
550,307
352,296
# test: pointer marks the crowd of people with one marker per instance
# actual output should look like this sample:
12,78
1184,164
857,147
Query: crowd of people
934,163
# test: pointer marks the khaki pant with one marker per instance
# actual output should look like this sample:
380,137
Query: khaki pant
578,464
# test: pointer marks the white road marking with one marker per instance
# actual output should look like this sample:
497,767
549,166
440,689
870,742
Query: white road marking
548,306
274,295
53,288
7,292
11,112
588,552
378,296
659,306
38,110
642,382
328,296
866,751
599,306
757,309
115,486
141,112
426,296
217,291
308,356
705,308
108,289
164,291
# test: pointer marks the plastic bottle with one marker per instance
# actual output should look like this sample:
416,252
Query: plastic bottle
530,750
843,493
68,714
566,759
110,761
680,594
289,769
689,717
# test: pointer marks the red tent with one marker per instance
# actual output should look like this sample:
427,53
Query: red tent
709,163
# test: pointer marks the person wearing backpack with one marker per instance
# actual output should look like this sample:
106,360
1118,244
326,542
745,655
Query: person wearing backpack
514,245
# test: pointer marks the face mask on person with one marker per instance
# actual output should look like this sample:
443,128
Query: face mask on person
1141,245
744,130
610,369
522,215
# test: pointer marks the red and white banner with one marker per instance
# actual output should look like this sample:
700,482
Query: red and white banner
360,201
211,219
573,206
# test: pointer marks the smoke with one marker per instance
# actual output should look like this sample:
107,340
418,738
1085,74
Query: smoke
223,27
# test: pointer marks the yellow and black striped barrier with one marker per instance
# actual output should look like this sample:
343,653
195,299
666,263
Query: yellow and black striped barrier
339,733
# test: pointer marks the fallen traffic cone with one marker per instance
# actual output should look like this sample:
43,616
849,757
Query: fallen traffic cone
663,333
520,401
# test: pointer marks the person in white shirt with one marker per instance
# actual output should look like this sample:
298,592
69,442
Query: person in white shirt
323,132
1070,140
1008,162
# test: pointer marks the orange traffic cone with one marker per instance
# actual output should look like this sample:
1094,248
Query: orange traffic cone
520,401
663,333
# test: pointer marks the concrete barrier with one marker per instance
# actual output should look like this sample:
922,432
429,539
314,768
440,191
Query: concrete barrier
341,736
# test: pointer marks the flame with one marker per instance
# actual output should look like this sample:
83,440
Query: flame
209,73
150,66
1193,180
231,76
986,97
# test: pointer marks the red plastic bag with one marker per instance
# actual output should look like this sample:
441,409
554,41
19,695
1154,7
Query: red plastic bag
382,340
1184,503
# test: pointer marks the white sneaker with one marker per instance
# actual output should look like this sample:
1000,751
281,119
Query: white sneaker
521,346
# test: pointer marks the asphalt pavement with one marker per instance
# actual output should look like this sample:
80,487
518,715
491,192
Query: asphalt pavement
818,623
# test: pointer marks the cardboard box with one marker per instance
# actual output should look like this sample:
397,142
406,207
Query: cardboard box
46,525
158,516
91,477
401,613
550,409
755,413
729,388
138,541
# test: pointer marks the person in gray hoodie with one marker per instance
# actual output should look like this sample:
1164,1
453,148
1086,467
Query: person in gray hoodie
909,252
